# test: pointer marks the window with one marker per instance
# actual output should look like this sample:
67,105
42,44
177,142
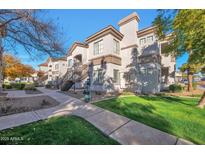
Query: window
116,76
98,76
98,47
56,66
69,62
142,41
116,46
150,39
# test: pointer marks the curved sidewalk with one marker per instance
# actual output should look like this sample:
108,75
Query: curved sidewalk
122,129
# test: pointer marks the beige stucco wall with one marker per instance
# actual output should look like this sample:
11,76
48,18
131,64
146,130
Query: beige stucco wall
80,51
147,44
43,68
107,47
59,72
167,61
129,31
107,85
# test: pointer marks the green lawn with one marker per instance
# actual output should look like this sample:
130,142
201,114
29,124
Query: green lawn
175,115
59,130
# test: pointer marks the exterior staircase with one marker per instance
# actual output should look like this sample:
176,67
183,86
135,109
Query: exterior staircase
73,76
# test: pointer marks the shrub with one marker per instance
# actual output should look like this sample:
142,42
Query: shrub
18,86
7,86
175,88
30,87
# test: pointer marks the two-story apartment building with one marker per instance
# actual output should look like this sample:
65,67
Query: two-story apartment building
127,58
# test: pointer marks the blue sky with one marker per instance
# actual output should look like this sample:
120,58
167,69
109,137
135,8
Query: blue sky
76,25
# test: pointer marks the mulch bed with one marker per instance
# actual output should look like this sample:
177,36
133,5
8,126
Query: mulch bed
17,105
194,93
95,96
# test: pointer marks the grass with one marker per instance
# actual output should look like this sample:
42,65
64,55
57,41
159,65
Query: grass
175,115
70,130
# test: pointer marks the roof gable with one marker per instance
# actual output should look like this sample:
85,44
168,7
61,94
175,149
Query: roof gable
105,31
75,44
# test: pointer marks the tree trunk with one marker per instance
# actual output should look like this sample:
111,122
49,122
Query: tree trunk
189,78
201,103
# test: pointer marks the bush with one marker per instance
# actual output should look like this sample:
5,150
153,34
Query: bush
175,88
18,86
30,87
7,86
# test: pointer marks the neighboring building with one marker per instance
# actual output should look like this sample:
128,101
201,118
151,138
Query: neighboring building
54,69
127,58
178,76
31,79
44,67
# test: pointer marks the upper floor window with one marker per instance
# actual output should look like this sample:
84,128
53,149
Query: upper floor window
150,39
98,47
69,62
116,47
142,41
56,66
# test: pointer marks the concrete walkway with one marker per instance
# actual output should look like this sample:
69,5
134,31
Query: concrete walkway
122,129
20,93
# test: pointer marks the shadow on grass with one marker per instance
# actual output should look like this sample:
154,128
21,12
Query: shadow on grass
144,113
168,99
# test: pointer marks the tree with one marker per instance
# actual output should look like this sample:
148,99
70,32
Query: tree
28,28
190,69
186,34
13,68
